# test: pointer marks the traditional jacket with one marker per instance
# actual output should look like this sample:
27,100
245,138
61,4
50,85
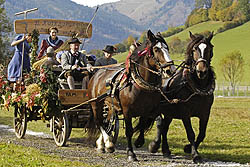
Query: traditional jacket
68,60
49,42
103,61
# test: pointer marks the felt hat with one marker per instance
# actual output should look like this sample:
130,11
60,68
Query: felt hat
74,40
109,49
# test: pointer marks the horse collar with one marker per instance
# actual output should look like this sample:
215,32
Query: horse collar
203,92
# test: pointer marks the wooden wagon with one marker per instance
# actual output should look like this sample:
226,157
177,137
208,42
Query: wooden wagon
75,111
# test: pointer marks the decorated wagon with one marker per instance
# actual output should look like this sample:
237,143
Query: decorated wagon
39,95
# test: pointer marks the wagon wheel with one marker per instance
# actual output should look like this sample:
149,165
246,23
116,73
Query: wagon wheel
60,129
111,126
20,121
70,129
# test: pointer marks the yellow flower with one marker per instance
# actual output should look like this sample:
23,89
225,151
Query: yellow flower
33,89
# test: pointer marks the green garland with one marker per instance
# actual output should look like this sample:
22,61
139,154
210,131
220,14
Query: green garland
34,45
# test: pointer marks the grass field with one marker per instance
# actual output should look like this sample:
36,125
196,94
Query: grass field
228,135
225,42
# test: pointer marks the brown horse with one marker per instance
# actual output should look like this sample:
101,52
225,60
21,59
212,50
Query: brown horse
138,97
192,88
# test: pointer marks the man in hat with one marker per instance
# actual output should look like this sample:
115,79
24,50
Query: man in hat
107,58
72,61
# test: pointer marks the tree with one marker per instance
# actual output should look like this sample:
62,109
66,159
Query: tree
232,67
120,47
143,37
203,4
244,8
5,29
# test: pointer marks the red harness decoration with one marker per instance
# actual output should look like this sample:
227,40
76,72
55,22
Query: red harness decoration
140,53
144,52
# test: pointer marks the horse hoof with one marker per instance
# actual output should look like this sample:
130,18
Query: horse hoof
167,155
139,143
197,159
132,158
110,150
187,148
100,150
153,147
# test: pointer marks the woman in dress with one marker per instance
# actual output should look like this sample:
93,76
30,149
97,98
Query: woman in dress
20,60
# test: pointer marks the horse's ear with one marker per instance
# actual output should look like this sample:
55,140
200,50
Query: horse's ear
151,36
159,34
191,35
209,38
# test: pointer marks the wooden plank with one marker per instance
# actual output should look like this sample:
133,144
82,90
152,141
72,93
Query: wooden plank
65,27
75,96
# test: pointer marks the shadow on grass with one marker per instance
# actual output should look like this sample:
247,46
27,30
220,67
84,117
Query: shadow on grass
5,120
219,152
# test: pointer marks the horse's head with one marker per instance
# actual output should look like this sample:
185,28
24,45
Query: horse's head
159,54
199,54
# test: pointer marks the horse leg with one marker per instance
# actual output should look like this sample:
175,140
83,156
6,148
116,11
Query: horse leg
201,136
165,148
191,138
109,146
202,131
155,144
129,133
140,140
100,144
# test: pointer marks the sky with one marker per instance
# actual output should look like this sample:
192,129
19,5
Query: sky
92,3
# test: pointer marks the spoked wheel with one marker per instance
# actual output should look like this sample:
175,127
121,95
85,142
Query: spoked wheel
60,129
111,126
70,129
20,121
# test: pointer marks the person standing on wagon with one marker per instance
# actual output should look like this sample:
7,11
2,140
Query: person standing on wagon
15,66
71,62
52,41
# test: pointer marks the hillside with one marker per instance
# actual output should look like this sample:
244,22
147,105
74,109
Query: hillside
114,22
154,14
107,28
226,42
210,26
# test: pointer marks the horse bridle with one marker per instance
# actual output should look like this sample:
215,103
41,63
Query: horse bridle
200,59
136,76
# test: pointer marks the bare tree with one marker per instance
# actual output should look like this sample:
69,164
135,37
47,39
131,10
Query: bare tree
232,67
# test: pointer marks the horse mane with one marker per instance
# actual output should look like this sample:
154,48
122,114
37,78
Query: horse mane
134,56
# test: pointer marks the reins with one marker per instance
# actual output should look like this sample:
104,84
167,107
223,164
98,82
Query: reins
152,71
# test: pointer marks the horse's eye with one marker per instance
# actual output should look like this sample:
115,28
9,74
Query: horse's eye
157,49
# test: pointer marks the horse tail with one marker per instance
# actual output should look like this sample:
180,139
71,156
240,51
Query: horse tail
92,128
145,124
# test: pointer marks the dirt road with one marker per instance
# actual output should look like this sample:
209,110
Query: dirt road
80,149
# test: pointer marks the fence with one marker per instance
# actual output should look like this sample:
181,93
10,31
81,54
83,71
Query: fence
226,91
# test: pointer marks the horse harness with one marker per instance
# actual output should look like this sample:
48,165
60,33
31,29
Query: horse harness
190,84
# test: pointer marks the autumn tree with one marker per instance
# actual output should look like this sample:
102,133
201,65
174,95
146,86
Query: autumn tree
232,68
5,29
203,4
244,8
143,37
